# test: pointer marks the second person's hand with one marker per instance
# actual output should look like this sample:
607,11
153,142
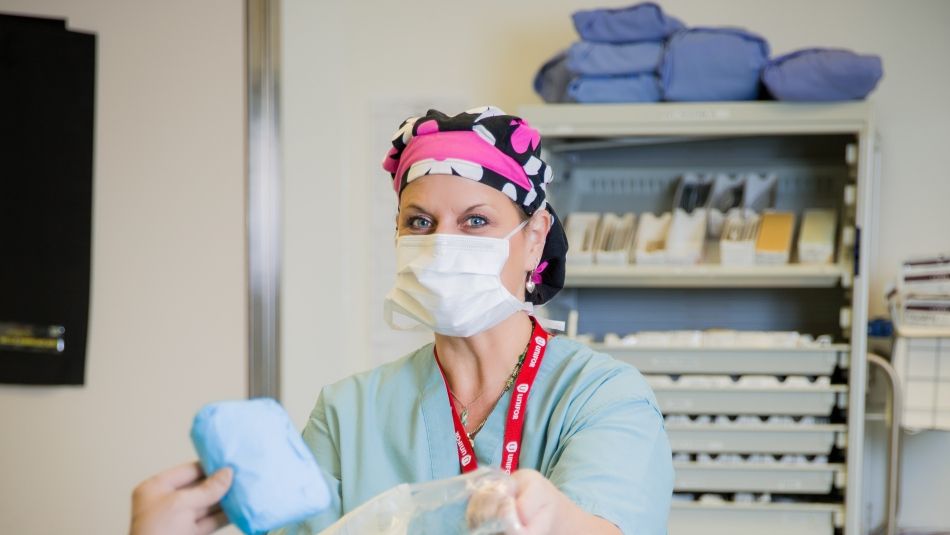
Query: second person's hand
180,501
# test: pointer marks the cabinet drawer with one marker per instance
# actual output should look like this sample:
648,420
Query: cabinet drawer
778,478
813,401
755,519
731,361
716,438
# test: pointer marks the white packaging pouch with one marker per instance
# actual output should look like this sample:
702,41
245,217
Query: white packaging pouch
478,503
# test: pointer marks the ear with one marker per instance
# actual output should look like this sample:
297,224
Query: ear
536,233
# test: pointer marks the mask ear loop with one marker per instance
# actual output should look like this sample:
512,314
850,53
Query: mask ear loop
517,229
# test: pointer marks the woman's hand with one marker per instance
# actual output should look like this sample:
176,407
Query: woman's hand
180,501
545,510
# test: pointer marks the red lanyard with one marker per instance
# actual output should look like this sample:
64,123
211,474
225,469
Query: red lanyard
517,409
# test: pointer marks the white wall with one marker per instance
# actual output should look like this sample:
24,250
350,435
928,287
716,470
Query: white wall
168,326
348,65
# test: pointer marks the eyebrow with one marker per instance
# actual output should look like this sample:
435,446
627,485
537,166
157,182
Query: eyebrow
418,208
479,205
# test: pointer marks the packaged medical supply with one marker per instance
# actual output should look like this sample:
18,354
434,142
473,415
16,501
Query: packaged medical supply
650,245
686,237
276,479
582,230
726,196
926,275
737,242
774,243
477,503
759,191
922,311
692,192
615,239
816,240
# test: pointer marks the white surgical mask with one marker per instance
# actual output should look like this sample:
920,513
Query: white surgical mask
451,284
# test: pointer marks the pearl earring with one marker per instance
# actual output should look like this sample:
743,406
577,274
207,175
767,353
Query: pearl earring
530,285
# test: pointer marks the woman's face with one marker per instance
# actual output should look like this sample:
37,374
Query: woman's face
448,204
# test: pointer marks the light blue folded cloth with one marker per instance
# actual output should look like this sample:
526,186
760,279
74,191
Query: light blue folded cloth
550,83
822,74
606,59
604,89
276,479
640,22
710,64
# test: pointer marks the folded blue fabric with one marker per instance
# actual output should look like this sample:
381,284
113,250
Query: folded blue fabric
550,83
607,59
276,479
640,22
822,74
707,64
603,89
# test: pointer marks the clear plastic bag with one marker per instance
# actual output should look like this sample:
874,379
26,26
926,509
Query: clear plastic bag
479,503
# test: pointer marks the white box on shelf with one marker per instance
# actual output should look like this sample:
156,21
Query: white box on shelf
816,241
615,239
686,237
581,229
737,244
926,276
650,246
925,312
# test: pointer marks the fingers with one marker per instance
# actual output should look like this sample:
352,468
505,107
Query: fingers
211,490
211,523
202,512
179,476
531,497
165,482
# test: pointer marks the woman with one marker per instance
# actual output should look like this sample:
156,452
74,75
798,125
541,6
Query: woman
477,248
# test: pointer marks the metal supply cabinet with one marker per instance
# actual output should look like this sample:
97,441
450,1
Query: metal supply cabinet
629,158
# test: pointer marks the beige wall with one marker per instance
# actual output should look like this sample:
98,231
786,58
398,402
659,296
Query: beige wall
348,65
167,328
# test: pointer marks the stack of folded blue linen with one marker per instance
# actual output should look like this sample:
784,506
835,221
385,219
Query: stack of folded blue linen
616,59
640,54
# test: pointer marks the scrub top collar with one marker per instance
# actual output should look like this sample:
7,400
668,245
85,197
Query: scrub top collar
437,414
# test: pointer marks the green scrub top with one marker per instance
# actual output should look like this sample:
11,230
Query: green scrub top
592,428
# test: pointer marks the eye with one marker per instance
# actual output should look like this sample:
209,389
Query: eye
418,223
476,221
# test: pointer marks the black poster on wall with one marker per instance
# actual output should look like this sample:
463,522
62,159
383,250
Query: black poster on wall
47,94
